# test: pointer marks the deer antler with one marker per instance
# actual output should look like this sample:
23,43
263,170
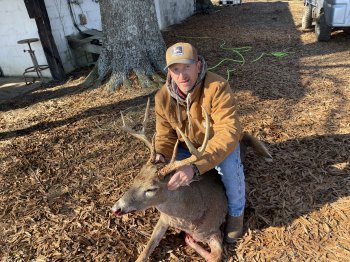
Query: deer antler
140,134
196,153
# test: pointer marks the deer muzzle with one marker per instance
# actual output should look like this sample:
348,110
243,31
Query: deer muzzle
120,209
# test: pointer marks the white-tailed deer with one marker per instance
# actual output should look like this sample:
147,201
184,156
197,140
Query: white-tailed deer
198,209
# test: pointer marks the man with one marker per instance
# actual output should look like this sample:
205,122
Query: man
178,104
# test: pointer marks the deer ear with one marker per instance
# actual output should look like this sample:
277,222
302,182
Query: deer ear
161,175
163,180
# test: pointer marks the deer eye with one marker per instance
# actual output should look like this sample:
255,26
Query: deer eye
150,192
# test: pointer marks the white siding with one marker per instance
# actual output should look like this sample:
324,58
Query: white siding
62,24
16,25
171,12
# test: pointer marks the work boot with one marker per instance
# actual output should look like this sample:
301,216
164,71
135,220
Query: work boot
233,228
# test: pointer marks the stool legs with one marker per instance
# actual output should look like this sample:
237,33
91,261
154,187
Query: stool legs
36,68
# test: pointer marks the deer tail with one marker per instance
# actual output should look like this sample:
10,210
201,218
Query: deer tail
258,146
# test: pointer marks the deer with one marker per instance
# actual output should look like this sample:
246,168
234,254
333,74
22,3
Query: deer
198,209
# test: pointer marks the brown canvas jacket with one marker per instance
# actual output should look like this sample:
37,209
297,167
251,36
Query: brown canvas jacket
217,98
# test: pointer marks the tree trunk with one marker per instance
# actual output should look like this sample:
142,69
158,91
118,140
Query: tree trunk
132,44
204,6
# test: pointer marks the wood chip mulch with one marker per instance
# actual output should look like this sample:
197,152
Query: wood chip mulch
64,162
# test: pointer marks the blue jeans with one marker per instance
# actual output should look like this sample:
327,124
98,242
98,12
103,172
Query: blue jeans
232,176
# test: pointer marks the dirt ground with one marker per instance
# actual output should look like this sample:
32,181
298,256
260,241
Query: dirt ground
64,162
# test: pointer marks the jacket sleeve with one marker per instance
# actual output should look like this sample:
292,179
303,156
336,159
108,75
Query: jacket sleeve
226,128
166,136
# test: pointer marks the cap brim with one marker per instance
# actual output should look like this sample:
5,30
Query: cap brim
181,61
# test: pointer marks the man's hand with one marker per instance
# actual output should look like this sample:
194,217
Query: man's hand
182,177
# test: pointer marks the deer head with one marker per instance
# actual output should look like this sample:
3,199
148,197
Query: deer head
149,188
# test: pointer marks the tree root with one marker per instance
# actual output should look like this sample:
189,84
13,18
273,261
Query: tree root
158,79
145,81
91,79
127,83
114,83
118,80
155,81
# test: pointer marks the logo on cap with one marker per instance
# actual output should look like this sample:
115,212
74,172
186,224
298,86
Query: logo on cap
177,51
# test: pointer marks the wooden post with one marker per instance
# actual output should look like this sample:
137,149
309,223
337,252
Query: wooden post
37,10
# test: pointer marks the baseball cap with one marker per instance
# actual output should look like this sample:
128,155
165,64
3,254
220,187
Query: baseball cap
182,53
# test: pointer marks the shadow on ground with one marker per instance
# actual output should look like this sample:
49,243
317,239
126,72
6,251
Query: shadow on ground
306,175
44,92
111,109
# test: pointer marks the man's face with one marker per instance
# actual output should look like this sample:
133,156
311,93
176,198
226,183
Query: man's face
185,75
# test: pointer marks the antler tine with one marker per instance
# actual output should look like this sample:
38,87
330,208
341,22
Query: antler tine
139,135
174,151
196,153
145,119
152,157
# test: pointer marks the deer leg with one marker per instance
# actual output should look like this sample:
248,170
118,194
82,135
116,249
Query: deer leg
215,245
199,249
156,236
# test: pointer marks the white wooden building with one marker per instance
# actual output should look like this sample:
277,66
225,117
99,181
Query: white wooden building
52,48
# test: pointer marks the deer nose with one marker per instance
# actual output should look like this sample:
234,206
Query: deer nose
117,212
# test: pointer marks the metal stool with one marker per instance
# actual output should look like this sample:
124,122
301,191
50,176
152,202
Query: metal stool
36,68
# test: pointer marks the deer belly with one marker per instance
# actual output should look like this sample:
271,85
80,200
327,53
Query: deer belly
198,229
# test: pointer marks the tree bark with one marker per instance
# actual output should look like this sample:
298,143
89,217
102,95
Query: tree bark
132,44
204,6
